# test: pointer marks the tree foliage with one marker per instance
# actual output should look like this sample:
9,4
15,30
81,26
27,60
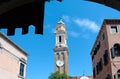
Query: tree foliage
58,75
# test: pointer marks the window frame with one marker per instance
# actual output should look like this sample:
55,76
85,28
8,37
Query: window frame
114,49
60,39
117,75
106,57
92,57
108,77
101,64
94,72
103,36
22,72
115,27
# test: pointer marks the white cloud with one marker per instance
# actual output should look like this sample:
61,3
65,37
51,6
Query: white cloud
74,34
66,18
86,36
53,30
47,26
87,24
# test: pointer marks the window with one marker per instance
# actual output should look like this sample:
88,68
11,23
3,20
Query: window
58,55
115,50
103,36
95,51
113,29
108,77
106,58
60,39
92,57
94,72
97,69
112,52
21,72
63,55
97,48
100,64
117,75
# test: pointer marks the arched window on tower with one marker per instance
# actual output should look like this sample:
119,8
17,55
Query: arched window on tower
115,50
117,75
60,40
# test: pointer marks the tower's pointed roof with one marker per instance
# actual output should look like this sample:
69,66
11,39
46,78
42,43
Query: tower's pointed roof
60,25
60,21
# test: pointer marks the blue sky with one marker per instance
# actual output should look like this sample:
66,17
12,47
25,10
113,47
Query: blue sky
83,20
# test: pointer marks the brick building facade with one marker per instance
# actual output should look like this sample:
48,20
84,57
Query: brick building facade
105,53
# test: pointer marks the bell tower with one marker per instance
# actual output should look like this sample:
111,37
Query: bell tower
61,49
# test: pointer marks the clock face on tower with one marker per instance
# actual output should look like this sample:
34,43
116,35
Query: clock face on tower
59,63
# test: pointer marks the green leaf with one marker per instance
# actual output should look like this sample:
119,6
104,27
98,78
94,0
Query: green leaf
58,75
